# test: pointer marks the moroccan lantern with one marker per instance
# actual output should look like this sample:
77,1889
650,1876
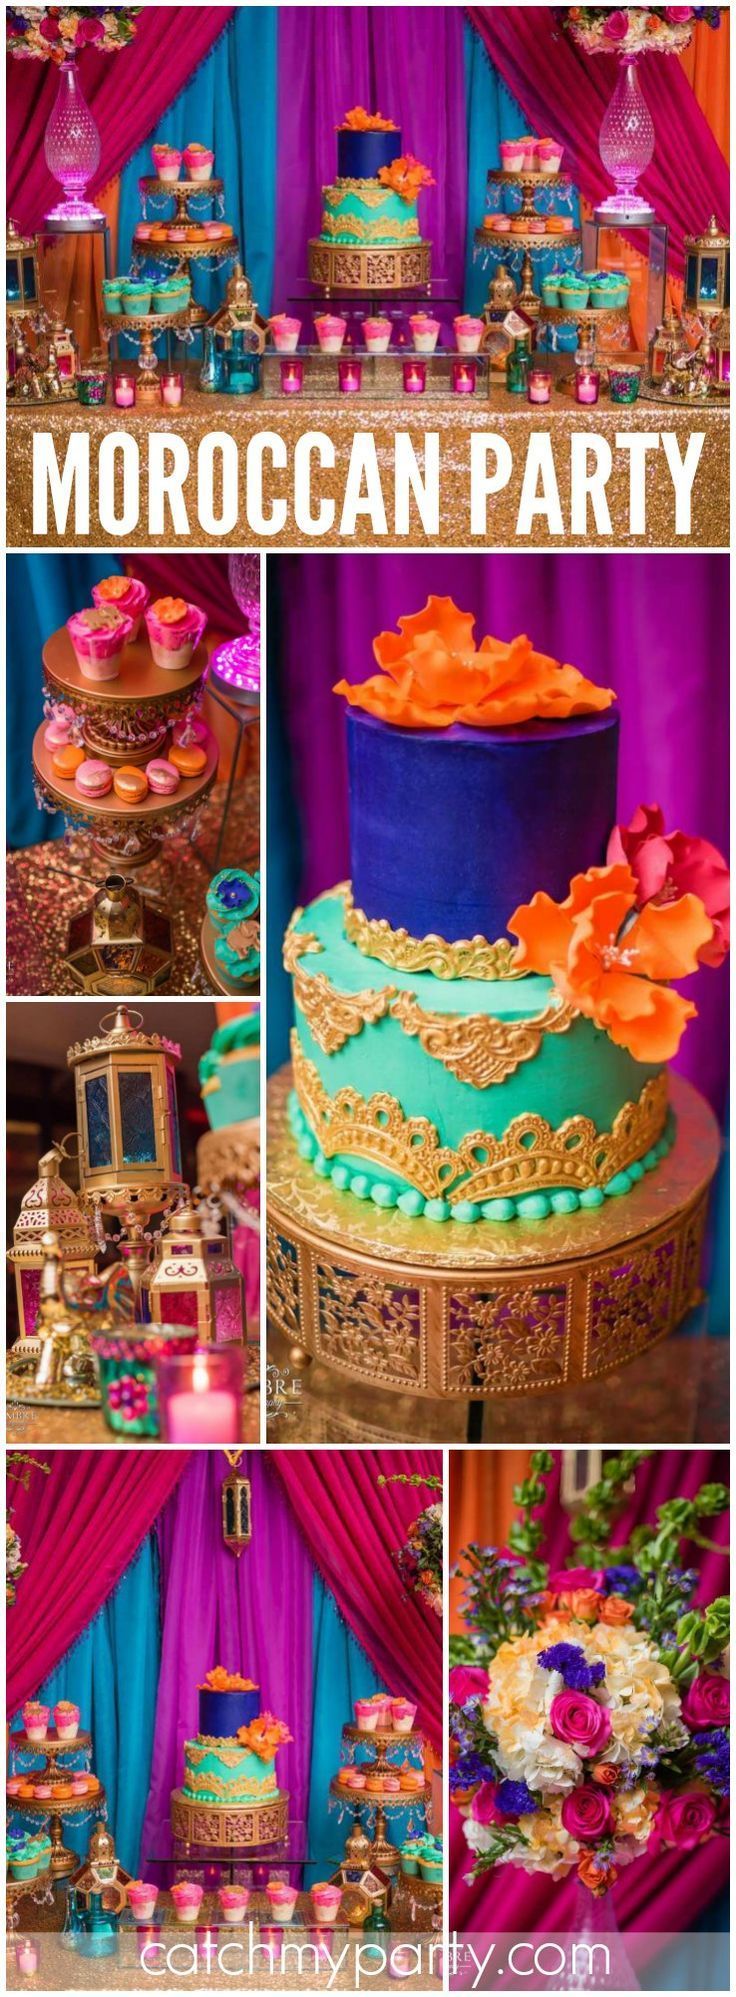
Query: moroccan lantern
193,1281
708,271
128,1125
22,291
235,1496
48,1206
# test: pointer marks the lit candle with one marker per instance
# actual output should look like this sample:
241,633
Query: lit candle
415,377
172,390
463,378
202,1404
26,1956
292,377
587,384
539,385
123,391
349,377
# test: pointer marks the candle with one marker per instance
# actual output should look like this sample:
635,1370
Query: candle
623,381
415,377
202,1417
539,385
26,1956
200,1394
172,390
587,384
463,378
292,377
349,377
123,390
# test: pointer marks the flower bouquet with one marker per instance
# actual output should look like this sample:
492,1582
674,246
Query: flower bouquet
53,34
635,30
419,1560
589,1707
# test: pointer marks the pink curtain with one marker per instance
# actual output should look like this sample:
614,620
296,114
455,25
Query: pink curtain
353,1528
565,92
206,583
79,1529
665,1894
127,94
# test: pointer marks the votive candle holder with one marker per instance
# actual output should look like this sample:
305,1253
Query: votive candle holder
349,377
26,1955
415,377
200,1395
539,385
123,391
92,387
624,379
587,385
292,377
463,378
172,390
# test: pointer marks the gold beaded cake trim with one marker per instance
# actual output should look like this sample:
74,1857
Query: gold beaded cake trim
531,1155
475,958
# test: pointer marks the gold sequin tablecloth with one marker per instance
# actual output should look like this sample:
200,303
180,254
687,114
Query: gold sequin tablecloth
47,885
454,418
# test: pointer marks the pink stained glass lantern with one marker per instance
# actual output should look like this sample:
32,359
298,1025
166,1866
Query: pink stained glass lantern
626,146
193,1281
72,150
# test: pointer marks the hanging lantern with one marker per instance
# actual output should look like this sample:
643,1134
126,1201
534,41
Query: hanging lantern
708,272
668,340
128,1126
48,1206
236,1518
22,291
193,1281
580,1469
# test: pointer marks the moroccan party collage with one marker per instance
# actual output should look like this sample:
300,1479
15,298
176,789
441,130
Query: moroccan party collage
366,997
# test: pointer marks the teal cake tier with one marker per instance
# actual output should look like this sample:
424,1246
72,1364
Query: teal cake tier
459,1099
229,1072
221,1771
365,213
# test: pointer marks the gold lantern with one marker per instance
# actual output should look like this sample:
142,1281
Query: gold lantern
48,1206
22,289
236,1519
128,1126
708,272
668,340
193,1281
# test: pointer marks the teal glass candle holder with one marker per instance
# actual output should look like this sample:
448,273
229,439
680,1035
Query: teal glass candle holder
623,381
126,1363
92,387
242,368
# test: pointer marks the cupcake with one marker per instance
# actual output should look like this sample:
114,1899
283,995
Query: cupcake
136,297
98,637
468,333
402,1715
198,161
35,1720
281,1899
512,155
330,332
377,335
124,593
410,1858
529,149
231,896
66,1719
23,1864
550,290
141,1899
167,162
549,155
112,295
233,1903
574,293
425,332
187,1899
366,1716
430,1867
174,628
325,1902
285,332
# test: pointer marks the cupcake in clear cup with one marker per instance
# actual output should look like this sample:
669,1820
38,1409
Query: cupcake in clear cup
468,333
528,145
382,1703
233,1903
99,637
187,1900
325,1902
549,155
124,593
377,335
330,331
66,1719
174,628
198,161
425,332
511,153
281,1899
167,162
141,1899
36,1719
366,1716
285,332
402,1715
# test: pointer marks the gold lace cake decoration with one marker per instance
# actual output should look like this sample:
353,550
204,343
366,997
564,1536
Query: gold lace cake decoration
531,1156
474,958
372,192
382,229
241,1791
332,1017
476,1048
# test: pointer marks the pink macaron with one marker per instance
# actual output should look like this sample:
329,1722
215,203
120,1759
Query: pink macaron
93,778
56,734
162,776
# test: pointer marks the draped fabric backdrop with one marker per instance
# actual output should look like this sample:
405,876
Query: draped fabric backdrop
660,1896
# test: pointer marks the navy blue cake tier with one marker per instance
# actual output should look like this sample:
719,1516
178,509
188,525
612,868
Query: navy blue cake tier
360,154
221,1713
450,829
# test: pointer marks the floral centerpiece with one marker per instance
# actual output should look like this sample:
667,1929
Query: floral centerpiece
634,30
419,1560
53,34
589,1706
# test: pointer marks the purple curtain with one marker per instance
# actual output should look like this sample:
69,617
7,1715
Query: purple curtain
654,627
407,65
252,1614
662,1895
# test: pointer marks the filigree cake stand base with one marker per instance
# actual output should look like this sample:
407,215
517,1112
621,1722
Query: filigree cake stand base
223,1825
491,1310
346,267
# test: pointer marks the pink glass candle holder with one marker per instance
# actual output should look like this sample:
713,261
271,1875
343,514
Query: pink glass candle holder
463,378
292,377
123,391
26,1955
349,377
415,377
587,385
172,390
539,385
200,1394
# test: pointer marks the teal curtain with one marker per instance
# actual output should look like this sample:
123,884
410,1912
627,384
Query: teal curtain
341,1674
492,114
112,1675
229,104
43,590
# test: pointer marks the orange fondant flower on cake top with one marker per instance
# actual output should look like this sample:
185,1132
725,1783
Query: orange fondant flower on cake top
433,676
406,176
613,959
220,1680
264,1736
359,120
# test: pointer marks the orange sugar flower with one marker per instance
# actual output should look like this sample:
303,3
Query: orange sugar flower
613,960
220,1680
113,588
406,177
359,120
170,609
264,1736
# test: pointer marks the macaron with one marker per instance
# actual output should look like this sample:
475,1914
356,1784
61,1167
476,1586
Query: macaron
56,734
130,784
66,760
162,776
189,758
93,777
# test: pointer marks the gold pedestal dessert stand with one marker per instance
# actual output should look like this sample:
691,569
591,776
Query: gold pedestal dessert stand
56,1808
125,720
378,1803
472,1313
347,267
223,1826
39,1889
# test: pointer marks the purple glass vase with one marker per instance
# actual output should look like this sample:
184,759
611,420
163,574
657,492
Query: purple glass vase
626,146
72,149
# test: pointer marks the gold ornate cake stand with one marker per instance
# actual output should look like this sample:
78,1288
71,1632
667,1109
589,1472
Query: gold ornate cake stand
225,1825
347,267
474,1313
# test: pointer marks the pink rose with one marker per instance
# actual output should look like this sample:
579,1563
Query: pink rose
89,30
678,13
707,1702
50,30
616,27
670,864
467,1681
586,1813
687,1819
568,1578
483,1806
580,1722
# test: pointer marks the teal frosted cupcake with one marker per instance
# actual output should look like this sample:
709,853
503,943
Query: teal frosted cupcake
231,897
112,296
550,290
136,296
574,292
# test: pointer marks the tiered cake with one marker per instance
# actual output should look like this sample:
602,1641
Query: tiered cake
359,206
230,1794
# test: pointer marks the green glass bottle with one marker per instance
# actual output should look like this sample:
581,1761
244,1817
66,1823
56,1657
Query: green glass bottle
517,366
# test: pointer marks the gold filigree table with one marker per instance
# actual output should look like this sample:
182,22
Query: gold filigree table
492,1310
225,1824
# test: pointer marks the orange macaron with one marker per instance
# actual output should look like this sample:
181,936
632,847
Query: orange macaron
66,759
130,784
188,758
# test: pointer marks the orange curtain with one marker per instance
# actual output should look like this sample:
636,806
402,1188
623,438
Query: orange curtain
481,1503
706,66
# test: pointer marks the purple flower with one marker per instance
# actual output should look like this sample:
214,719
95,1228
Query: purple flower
570,1661
622,1580
712,1759
514,1799
468,1769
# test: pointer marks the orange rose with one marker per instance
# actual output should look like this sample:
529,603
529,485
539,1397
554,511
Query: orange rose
113,588
592,1874
583,1603
604,1773
359,120
170,609
406,177
615,1609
